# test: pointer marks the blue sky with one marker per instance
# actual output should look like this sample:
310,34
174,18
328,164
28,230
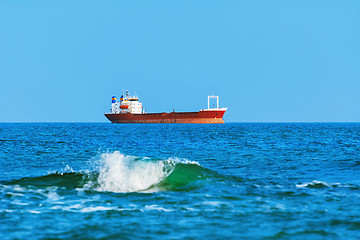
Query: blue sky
269,61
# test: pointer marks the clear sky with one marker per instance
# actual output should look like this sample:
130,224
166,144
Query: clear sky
61,61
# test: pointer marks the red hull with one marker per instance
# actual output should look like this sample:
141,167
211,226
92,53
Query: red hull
213,116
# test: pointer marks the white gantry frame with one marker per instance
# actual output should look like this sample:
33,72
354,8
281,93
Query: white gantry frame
217,101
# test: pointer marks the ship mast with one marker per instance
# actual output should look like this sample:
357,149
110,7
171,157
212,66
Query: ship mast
217,101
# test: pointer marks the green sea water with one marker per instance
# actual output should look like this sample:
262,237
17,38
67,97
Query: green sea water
189,181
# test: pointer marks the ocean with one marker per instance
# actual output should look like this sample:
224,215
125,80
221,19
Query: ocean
189,181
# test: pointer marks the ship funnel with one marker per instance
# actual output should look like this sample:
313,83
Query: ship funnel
113,104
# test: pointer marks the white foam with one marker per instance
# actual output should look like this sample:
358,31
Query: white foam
315,182
34,211
15,194
17,188
95,209
51,194
214,203
20,203
184,161
68,169
6,210
158,208
120,173
71,208
191,209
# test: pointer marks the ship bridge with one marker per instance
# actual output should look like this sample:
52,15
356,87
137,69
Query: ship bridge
127,104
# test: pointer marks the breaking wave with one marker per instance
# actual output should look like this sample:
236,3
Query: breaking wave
116,172
120,173
317,184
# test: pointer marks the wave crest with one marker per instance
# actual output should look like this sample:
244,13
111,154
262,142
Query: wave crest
116,172
120,173
317,184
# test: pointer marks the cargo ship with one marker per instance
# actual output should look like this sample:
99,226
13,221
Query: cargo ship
130,110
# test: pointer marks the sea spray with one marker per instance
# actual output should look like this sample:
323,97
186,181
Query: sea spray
120,173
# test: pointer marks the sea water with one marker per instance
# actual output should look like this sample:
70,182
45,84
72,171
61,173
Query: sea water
154,181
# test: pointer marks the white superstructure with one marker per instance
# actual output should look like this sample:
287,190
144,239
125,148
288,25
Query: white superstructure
127,104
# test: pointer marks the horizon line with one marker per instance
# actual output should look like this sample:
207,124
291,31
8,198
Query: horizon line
195,123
